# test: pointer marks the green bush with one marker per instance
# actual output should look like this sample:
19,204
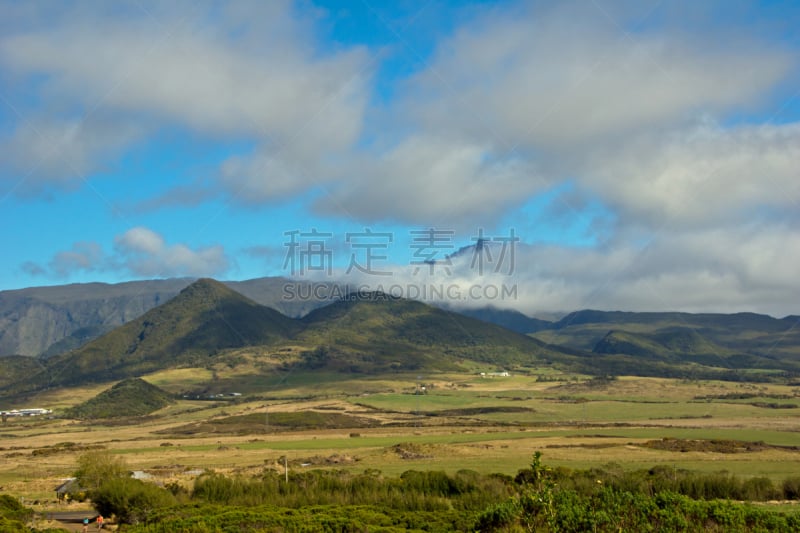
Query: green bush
604,499
96,467
332,518
791,488
759,489
8,525
130,500
499,516
12,510
14,516
413,491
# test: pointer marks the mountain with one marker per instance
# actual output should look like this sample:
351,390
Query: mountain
377,332
47,321
129,397
76,339
203,319
293,298
363,333
751,321
666,344
725,341
508,318
33,319
16,368
207,324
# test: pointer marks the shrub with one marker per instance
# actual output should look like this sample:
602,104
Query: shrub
8,525
12,510
791,488
96,467
130,500
759,489
499,516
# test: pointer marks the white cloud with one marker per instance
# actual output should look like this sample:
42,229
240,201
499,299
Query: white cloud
83,256
717,270
145,253
139,252
700,176
517,100
434,180
268,177
241,72
559,76
186,67
750,269
47,153
524,98
140,240
32,269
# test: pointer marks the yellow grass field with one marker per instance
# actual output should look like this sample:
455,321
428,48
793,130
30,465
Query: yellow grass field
489,424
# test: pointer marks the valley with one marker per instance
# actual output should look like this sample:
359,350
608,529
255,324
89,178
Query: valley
460,422
212,386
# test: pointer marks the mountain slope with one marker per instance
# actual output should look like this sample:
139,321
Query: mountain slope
734,341
51,320
201,320
507,318
129,397
667,344
32,319
730,322
373,331
17,368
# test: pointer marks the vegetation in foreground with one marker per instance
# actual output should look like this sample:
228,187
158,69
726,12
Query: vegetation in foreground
14,517
461,422
538,498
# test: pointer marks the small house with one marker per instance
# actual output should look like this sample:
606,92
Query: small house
69,490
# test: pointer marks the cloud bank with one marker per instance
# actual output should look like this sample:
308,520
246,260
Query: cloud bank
671,122
139,252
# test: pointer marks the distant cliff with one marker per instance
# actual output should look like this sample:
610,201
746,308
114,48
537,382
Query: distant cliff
32,320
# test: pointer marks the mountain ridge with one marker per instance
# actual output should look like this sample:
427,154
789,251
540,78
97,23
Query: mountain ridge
375,333
203,318
46,321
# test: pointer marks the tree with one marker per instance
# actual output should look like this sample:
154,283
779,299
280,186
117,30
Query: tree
130,500
536,499
95,467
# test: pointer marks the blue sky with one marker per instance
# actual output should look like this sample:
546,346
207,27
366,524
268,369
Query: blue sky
643,152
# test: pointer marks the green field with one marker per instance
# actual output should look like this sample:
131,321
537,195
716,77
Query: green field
460,421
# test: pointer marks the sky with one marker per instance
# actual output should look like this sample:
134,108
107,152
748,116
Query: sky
541,156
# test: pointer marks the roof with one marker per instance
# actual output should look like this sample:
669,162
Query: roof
69,485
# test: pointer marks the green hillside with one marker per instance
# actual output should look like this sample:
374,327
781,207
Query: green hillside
376,332
678,344
751,333
208,324
130,397
76,339
621,342
205,318
507,318
15,368
750,321
669,344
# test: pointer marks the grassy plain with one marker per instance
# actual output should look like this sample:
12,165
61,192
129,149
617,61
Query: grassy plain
458,421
